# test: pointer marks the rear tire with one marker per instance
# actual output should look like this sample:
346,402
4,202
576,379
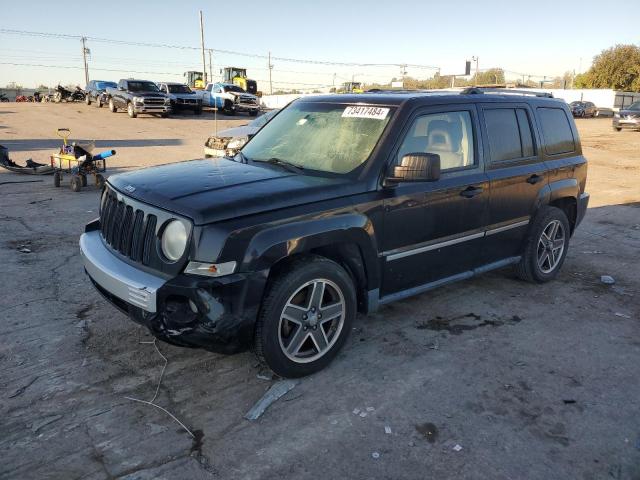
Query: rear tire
112,106
291,336
57,178
83,179
253,113
617,129
87,99
546,246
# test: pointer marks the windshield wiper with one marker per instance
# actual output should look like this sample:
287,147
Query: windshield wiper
292,167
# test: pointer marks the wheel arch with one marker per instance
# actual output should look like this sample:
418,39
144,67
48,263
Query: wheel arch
346,239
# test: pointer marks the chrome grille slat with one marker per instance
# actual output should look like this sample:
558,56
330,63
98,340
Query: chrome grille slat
136,243
127,227
149,234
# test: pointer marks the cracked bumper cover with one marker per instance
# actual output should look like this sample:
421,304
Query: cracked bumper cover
217,314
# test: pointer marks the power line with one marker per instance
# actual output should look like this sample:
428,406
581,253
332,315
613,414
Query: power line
230,52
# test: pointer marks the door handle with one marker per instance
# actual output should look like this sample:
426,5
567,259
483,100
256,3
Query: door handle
471,192
533,179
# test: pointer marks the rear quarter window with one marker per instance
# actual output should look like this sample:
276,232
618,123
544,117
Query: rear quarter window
556,130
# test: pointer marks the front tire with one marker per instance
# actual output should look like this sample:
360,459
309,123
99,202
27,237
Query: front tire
112,106
131,111
546,246
87,99
306,317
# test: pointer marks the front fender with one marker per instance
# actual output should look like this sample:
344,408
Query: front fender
273,244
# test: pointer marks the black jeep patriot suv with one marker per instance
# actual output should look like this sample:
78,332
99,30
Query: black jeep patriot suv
339,204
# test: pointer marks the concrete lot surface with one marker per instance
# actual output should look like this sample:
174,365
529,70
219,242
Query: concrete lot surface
530,381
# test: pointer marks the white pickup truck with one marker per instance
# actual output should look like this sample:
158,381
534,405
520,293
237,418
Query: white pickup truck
230,98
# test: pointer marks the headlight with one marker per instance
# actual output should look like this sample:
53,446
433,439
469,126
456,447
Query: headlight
237,142
138,100
174,240
617,115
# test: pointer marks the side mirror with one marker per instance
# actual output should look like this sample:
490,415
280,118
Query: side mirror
417,167
121,88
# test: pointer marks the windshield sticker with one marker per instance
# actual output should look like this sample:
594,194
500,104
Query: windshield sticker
356,111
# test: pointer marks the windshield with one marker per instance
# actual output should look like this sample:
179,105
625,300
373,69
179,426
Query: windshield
577,104
327,137
105,85
179,89
634,106
142,87
232,88
262,119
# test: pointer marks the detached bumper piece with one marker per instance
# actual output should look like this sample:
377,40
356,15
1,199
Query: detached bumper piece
217,314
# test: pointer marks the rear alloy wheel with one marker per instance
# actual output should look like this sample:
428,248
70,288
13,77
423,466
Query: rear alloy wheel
131,110
306,317
546,246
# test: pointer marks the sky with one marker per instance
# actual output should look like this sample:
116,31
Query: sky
543,38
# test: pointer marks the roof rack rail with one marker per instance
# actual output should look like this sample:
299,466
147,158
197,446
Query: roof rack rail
507,91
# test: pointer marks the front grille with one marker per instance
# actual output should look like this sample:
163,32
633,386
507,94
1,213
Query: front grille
249,100
127,230
154,101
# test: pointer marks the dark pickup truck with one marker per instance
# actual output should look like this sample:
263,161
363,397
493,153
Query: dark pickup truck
339,204
138,96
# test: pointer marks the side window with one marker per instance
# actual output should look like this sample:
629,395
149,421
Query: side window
556,131
524,124
448,134
509,134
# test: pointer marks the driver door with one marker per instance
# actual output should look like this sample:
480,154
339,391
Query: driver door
433,230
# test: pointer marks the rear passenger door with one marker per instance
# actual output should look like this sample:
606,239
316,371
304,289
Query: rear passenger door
516,173
434,230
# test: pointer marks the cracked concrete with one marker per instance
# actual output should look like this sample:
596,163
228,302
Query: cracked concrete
541,379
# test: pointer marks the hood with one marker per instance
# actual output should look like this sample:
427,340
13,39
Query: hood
213,190
635,113
241,131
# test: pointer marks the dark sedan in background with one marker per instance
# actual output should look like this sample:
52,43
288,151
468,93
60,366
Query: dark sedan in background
583,109
627,118
95,92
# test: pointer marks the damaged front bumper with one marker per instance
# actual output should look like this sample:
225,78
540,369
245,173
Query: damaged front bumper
217,314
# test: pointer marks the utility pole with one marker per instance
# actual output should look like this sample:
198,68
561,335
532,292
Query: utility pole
270,68
204,64
210,68
477,60
84,58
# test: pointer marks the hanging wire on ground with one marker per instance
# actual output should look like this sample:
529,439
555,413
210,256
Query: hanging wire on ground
150,402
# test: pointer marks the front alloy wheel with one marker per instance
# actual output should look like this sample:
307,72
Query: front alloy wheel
306,315
311,321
